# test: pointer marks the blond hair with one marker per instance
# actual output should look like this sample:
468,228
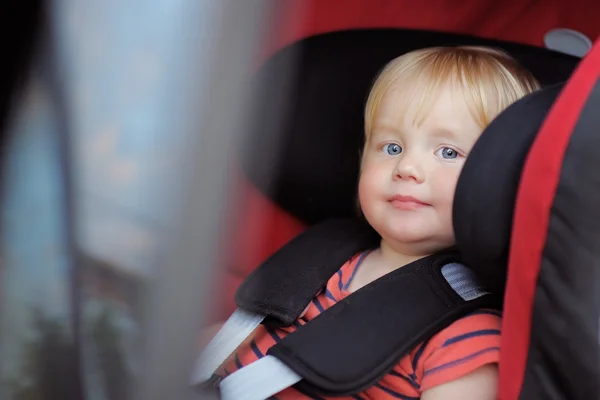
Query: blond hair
490,79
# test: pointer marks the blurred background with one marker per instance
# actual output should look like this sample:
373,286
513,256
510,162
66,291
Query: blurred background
114,220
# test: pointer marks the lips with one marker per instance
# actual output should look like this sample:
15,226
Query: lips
407,202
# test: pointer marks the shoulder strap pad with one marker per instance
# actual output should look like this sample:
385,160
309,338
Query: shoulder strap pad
285,283
353,344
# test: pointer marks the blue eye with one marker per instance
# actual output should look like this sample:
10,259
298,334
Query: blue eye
447,153
392,149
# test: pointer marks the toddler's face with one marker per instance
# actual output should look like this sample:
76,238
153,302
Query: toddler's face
410,168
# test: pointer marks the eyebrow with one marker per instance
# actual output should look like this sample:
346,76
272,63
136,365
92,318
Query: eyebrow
439,133
384,129
445,133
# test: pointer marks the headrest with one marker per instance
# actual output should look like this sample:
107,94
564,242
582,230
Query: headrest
550,330
306,128
487,187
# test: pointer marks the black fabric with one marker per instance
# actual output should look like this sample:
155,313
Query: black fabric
306,130
349,347
487,187
564,353
287,282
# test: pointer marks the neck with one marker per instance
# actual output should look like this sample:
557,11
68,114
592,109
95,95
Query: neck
394,259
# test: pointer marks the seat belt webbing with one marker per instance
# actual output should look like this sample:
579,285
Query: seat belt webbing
236,329
259,380
268,376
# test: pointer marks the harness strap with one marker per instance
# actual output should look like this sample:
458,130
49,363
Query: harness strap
236,329
355,342
259,380
269,375
302,268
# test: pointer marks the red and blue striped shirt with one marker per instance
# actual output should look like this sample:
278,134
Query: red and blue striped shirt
461,348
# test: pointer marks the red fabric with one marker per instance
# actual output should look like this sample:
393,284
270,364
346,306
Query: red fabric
534,202
523,21
262,228
257,230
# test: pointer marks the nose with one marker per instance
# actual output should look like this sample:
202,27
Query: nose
408,167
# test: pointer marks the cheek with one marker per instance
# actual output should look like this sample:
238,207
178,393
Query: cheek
446,185
363,189
367,187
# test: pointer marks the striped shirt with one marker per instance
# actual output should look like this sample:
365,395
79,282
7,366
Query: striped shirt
461,348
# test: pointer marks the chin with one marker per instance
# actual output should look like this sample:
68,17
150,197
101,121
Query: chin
407,235
417,236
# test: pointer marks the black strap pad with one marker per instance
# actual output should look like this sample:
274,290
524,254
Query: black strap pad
353,344
287,282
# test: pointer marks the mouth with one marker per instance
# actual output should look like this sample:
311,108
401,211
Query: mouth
407,202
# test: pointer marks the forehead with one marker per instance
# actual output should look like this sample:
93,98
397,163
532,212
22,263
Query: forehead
418,107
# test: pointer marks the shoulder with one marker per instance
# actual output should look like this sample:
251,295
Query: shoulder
464,346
